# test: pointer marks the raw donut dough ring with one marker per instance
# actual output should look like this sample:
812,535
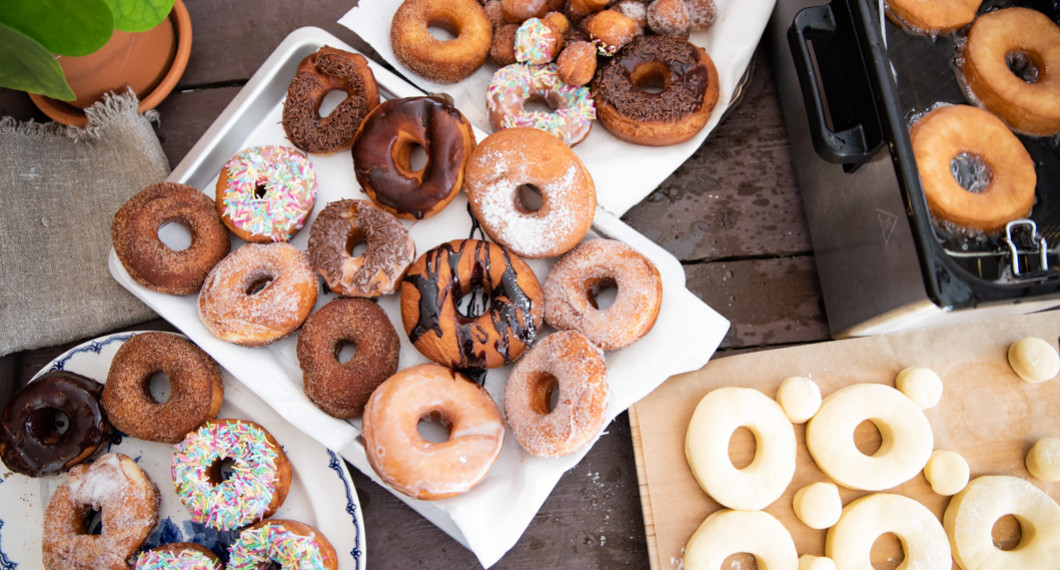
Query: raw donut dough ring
905,449
923,539
969,520
715,419
726,532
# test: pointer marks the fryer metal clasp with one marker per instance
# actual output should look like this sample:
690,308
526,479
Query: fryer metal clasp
1035,239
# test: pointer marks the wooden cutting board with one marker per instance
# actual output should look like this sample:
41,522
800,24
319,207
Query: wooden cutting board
987,413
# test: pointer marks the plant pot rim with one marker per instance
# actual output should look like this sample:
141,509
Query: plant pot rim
63,112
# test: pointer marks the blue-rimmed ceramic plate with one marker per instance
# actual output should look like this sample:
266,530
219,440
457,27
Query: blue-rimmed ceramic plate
321,495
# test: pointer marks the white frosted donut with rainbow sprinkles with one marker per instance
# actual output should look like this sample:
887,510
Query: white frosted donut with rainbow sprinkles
283,544
512,86
266,193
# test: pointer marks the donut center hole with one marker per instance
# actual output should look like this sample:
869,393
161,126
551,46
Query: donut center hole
652,78
256,284
159,387
739,561
433,427
260,190
331,101
221,470
48,425
601,293
1022,65
344,351
92,519
867,438
474,303
538,104
971,172
417,157
175,235
742,447
1007,533
546,394
887,552
442,29
356,246
527,199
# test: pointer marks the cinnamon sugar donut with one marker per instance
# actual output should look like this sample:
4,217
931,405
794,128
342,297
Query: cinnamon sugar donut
425,469
565,361
576,279
259,294
933,17
507,163
444,61
148,260
196,392
1002,188
284,543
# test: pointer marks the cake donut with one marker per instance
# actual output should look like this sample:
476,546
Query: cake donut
178,556
444,61
382,155
282,543
258,484
509,161
425,469
266,193
319,73
31,442
342,388
259,294
689,82
1002,186
511,312
148,260
345,224
579,276
1012,68
512,86
127,501
933,17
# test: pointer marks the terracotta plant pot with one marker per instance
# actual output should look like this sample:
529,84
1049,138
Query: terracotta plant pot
149,62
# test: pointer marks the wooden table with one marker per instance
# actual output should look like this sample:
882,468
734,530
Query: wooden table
731,214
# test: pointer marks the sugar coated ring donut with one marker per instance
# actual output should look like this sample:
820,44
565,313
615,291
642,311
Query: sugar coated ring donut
340,227
933,17
512,86
284,543
342,388
128,504
444,61
259,294
1004,179
969,521
382,155
319,73
266,193
592,266
565,361
726,532
1027,40
690,91
1033,359
818,505
258,484
713,422
178,556
148,260
799,397
922,385
508,161
424,469
947,472
513,309
31,442
923,539
906,445
1043,460
195,389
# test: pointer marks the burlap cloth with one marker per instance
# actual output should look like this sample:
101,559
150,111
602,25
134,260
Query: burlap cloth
60,187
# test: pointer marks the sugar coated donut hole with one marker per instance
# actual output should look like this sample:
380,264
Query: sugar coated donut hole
818,505
800,398
1043,460
1034,359
922,385
947,472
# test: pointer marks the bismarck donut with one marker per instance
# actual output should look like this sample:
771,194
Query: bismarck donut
444,61
382,155
266,193
319,73
689,83
284,543
933,17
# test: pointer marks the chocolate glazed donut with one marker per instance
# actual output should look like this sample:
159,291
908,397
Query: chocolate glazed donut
382,155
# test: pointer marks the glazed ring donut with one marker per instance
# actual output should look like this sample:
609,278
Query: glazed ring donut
128,503
178,556
345,224
266,193
259,481
1005,179
933,17
592,266
196,392
689,82
382,155
564,361
148,260
424,469
319,73
499,171
713,422
436,326
444,61
1027,100
726,532
259,294
342,388
849,541
906,446
285,544
30,440
513,86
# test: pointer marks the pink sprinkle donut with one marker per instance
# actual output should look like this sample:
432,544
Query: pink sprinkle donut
513,85
535,42
265,193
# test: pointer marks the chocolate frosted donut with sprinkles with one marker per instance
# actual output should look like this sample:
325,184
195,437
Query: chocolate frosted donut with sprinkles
266,193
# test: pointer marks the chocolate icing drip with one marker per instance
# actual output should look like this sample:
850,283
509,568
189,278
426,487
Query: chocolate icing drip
319,74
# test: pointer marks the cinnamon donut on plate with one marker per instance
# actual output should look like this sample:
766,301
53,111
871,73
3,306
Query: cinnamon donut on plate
266,193
444,61
933,17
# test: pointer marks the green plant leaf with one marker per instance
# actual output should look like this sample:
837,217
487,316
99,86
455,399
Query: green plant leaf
64,27
139,15
27,65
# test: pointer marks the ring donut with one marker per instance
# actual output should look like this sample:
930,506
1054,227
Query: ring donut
266,193
178,556
513,86
726,532
933,17
849,542
281,543
444,61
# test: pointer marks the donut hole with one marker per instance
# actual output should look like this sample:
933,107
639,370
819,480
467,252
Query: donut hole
739,561
260,190
434,427
356,245
442,28
546,395
539,104
528,198
1007,533
971,172
1023,65
742,447
344,351
652,77
409,155
48,424
221,470
887,552
601,292
475,302
256,283
158,387
91,520
867,437
332,99
175,235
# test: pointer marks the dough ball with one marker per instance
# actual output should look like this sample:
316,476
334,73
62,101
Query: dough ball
818,505
1043,461
1033,359
947,472
811,562
800,398
922,386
